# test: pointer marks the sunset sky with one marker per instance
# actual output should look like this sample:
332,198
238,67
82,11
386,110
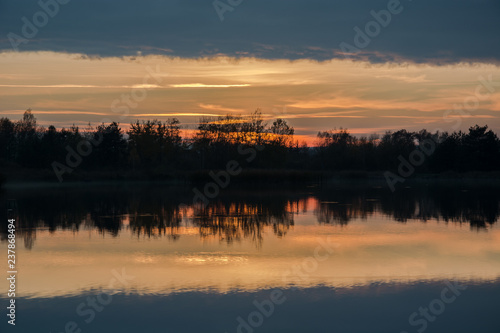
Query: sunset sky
96,61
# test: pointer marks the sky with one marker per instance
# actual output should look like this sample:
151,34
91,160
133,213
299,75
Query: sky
368,66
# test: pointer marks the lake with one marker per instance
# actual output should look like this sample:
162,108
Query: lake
140,257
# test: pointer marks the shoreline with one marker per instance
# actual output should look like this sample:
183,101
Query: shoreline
248,177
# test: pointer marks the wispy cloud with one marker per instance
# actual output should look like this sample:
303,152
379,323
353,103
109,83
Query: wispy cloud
219,108
59,112
201,85
136,86
311,95
49,86
404,78
180,114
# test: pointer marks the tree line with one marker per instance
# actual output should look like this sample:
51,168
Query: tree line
154,145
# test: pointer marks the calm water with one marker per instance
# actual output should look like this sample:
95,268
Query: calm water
141,258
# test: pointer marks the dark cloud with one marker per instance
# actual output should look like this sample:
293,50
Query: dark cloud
437,31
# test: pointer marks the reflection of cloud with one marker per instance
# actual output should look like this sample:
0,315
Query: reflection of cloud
204,259
145,259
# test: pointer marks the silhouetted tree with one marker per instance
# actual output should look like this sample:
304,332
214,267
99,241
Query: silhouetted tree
154,143
156,146
7,140
112,147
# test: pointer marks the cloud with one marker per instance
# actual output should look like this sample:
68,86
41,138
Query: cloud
310,95
175,115
443,31
219,108
408,79
202,85
136,86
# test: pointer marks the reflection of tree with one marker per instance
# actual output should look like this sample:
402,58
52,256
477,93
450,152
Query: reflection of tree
164,223
68,210
478,206
156,212
401,206
340,207
149,213
338,214
237,220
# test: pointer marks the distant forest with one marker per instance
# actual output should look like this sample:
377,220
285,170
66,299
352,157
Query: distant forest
154,146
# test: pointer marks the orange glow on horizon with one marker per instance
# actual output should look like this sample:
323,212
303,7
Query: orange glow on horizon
63,89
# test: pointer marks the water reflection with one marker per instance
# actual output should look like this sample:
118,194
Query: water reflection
160,211
383,307
196,269
232,221
477,206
